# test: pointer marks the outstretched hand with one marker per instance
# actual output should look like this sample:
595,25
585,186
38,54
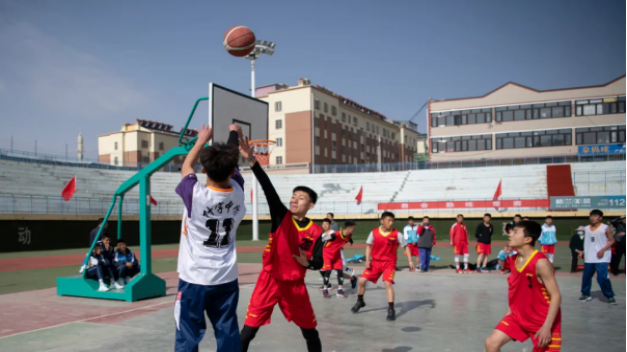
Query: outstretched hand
246,150
205,133
302,259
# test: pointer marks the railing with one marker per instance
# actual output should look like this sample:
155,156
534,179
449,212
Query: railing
33,204
30,157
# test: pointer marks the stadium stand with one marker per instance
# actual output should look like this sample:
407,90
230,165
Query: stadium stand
27,187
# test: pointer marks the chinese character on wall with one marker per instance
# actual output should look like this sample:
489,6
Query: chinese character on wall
24,235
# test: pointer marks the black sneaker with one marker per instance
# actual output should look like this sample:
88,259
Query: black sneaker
612,301
584,298
325,293
358,305
391,314
353,282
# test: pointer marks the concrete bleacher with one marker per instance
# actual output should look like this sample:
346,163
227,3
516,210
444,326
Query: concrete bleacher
27,183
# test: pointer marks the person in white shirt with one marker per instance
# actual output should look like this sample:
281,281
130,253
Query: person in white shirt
597,241
207,262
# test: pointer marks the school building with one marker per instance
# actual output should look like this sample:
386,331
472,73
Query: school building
516,121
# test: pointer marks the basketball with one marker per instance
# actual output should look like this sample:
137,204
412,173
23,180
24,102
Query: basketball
239,41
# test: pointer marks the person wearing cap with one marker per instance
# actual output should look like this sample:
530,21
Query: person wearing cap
576,247
619,225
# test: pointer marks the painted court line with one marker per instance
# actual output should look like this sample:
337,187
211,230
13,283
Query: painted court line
87,319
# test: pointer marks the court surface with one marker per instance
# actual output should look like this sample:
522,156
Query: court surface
437,311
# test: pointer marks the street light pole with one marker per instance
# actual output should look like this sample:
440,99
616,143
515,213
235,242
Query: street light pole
261,47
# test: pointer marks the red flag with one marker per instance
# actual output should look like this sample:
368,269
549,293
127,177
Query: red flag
360,195
69,189
498,192
153,201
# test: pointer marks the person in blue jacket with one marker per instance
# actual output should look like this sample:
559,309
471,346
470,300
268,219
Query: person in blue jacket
96,269
125,262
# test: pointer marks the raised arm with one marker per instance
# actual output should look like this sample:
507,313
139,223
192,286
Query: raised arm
544,270
204,136
235,131
277,208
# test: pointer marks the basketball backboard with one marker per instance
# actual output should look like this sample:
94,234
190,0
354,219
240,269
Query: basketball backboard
227,106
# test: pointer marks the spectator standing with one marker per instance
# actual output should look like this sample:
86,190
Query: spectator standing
619,224
410,232
483,234
426,241
548,238
94,232
576,247
334,226
125,262
597,241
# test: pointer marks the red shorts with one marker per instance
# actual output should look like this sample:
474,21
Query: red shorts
291,296
413,250
332,261
378,268
548,248
510,326
483,248
462,248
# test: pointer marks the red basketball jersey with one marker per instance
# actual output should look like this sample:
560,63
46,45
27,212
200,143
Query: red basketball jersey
528,298
385,245
285,242
334,246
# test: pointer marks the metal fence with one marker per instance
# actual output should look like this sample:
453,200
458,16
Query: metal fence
9,154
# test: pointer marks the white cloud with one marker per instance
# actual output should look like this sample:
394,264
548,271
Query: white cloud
62,78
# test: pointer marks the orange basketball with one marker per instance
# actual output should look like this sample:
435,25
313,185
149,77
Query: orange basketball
239,41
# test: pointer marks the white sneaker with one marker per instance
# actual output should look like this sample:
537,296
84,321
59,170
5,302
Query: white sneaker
118,285
103,288
80,271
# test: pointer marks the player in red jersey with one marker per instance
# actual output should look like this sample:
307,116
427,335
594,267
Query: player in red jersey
381,257
332,256
459,240
534,297
294,246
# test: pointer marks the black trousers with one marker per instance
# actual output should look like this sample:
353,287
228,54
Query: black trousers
573,266
616,258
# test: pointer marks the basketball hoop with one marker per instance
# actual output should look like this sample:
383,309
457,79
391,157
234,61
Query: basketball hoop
262,150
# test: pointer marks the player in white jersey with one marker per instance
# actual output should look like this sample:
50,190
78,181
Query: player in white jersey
207,263
597,241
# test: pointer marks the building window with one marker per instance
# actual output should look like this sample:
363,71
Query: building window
534,139
533,111
145,160
615,105
279,142
333,110
333,145
317,104
115,160
343,117
278,106
326,107
279,160
393,135
316,122
332,127
461,117
144,144
278,124
317,141
355,120
600,135
161,146
115,146
461,144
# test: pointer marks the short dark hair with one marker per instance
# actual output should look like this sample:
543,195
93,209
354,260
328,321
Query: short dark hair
518,216
219,160
410,218
530,229
121,240
488,215
549,217
100,221
508,227
313,196
332,215
349,223
596,212
104,235
326,220
426,217
458,215
387,214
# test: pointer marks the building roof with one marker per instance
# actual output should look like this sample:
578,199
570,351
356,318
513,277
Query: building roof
156,126
531,89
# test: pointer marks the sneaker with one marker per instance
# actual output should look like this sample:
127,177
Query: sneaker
422,271
115,285
485,270
325,293
459,271
479,270
584,298
391,314
358,305
340,293
353,282
103,288
612,301
119,284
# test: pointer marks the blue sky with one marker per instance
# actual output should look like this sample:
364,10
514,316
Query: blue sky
68,65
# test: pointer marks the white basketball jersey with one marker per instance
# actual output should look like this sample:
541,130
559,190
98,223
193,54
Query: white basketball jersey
593,242
207,253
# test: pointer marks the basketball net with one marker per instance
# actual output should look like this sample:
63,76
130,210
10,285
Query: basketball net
262,148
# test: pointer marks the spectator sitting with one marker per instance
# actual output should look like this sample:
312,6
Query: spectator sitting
107,254
96,269
94,232
125,262
503,258
576,247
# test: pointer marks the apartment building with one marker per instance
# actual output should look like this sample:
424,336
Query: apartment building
139,142
518,121
312,124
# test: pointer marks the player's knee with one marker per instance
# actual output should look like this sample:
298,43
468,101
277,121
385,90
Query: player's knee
491,344
388,285
310,334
